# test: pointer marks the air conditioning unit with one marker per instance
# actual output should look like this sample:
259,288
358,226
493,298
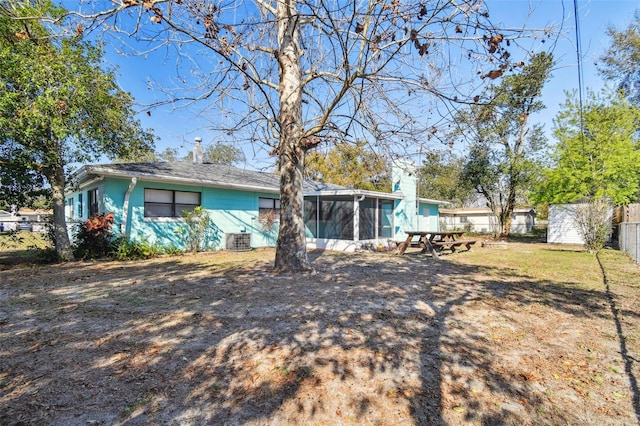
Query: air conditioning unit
239,241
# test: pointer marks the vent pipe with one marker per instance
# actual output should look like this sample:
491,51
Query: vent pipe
197,151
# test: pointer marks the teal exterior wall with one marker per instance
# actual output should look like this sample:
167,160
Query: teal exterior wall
410,214
231,211
430,217
405,181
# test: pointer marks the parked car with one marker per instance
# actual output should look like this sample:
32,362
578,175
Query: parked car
25,226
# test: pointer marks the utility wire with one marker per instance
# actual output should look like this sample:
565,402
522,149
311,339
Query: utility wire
579,55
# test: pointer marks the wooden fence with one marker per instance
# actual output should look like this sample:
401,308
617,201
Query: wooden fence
630,213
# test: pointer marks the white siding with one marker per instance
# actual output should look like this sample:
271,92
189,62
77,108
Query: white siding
562,227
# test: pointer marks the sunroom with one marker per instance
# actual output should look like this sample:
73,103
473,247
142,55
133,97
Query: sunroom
347,221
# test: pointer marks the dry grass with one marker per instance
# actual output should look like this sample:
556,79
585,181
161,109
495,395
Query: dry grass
535,334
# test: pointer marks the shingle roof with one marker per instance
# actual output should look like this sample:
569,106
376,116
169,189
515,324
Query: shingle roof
216,175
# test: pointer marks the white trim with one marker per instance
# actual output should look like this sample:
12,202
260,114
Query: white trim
90,182
163,219
432,201
185,181
354,193
356,217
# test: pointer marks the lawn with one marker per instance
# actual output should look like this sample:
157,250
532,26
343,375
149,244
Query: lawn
536,334
20,247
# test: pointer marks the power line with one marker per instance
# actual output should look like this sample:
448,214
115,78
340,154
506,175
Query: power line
579,55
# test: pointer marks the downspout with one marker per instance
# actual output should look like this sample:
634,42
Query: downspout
125,206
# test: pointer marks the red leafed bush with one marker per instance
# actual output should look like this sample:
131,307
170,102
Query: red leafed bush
94,235
100,222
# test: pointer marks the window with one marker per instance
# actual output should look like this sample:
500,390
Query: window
367,216
268,207
164,203
464,219
80,205
385,219
93,202
335,218
70,208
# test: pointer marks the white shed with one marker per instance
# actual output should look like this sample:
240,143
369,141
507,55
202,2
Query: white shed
563,228
562,225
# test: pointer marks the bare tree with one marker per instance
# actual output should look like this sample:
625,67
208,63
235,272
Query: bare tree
292,74
592,217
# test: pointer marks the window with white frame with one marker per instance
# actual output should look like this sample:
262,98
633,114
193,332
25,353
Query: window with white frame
70,208
168,203
268,208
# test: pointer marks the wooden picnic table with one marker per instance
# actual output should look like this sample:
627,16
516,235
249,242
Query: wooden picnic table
435,242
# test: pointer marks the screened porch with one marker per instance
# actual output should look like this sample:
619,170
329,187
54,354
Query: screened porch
348,217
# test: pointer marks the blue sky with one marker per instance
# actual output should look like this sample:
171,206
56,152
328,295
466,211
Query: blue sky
178,127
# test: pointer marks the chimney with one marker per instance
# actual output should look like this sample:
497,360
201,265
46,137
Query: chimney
197,151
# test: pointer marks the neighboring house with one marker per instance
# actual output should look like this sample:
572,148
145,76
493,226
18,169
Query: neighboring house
147,200
482,219
25,219
562,227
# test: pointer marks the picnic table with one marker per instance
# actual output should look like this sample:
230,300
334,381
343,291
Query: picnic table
435,242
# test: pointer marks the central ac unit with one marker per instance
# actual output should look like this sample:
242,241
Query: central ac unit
239,241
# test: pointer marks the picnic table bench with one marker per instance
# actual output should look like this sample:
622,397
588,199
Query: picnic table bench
453,244
435,242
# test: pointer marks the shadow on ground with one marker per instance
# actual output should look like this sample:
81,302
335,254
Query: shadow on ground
369,338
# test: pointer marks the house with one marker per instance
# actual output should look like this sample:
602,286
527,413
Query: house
482,219
147,200
25,219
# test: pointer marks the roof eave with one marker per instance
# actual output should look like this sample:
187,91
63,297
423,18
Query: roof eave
354,193
181,180
432,201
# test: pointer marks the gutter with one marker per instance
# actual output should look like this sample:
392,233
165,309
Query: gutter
354,193
432,201
125,206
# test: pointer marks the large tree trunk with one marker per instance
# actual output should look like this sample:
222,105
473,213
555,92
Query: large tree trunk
291,250
507,213
510,203
61,236
506,224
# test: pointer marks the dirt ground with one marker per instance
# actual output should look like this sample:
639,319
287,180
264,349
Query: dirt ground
370,338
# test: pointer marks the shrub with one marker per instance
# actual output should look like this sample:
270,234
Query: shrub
93,238
46,255
593,219
195,228
124,249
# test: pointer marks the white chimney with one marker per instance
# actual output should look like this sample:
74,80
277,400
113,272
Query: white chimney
197,151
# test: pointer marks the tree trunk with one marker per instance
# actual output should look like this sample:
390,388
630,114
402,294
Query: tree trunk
510,204
291,249
61,235
506,224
